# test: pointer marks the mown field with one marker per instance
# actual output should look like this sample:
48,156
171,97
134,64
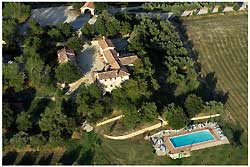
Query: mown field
221,43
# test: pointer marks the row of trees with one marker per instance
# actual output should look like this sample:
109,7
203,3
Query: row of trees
178,7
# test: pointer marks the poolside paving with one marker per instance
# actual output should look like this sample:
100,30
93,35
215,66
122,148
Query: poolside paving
217,141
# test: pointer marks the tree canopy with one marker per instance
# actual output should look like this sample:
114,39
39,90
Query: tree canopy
67,73
12,77
175,116
18,11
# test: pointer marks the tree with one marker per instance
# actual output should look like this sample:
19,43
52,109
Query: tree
236,7
12,77
38,73
55,34
37,140
34,28
19,140
131,117
8,115
74,43
53,121
88,30
182,74
131,92
76,5
67,73
66,29
23,121
193,105
148,112
89,102
100,6
125,28
9,30
33,42
175,116
213,107
107,25
18,11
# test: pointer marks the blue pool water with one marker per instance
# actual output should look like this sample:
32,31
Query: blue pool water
192,138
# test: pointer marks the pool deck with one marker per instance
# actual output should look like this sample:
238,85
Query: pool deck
217,141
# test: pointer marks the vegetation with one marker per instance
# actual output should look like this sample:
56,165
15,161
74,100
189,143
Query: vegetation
18,11
67,73
166,82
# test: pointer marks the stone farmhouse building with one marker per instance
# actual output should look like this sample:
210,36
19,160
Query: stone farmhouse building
88,6
115,66
65,55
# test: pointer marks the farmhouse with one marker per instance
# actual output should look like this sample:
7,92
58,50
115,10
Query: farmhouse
115,66
65,54
88,6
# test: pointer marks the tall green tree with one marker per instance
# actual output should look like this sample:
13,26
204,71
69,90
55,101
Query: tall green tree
19,140
107,25
34,28
54,121
148,112
8,115
193,105
67,73
213,107
23,121
89,102
12,77
18,11
88,30
74,43
175,116
9,29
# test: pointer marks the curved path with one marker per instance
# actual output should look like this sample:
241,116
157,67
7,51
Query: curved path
137,132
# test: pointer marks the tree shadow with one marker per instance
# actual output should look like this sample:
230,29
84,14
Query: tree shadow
29,158
237,135
207,89
70,157
86,158
45,160
9,158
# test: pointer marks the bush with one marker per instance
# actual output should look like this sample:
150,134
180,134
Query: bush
220,9
236,7
19,140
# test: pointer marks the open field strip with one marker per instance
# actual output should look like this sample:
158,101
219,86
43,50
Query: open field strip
221,44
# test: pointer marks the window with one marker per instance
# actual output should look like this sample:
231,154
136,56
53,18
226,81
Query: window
111,85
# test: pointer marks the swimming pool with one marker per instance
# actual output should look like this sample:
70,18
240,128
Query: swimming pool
191,138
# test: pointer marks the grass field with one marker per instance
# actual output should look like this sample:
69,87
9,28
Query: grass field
221,43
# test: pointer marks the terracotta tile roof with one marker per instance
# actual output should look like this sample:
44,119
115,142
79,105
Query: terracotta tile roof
65,53
111,59
89,5
111,74
128,59
105,43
